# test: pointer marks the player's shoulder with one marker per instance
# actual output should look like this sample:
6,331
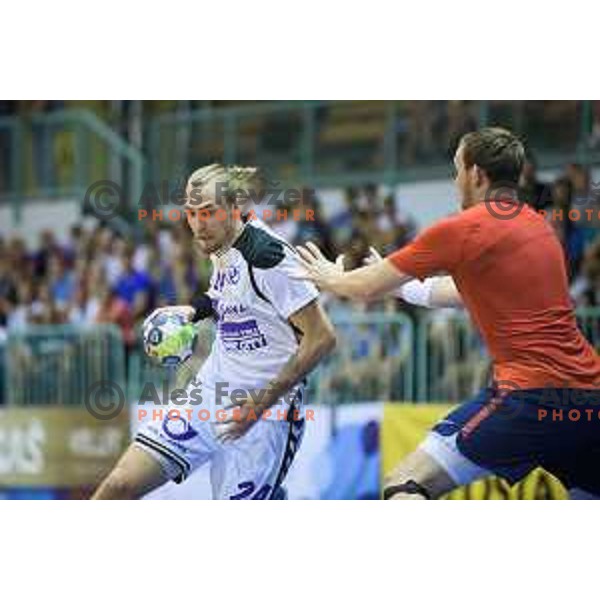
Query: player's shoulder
260,247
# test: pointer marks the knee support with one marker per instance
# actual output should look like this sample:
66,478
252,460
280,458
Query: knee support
409,487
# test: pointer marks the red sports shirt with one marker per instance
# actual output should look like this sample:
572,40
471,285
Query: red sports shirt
512,278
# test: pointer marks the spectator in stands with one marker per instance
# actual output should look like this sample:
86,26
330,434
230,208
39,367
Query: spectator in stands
45,310
134,287
76,244
61,281
369,200
586,288
8,291
48,247
113,309
112,250
317,230
16,253
21,315
342,223
567,230
394,228
84,306
579,178
531,189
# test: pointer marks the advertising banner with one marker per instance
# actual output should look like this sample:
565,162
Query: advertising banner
58,447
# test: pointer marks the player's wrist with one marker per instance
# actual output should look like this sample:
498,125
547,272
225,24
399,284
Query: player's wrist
203,308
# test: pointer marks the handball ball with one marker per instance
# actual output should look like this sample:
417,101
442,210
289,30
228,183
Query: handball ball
169,338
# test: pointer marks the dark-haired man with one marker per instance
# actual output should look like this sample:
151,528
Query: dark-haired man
503,262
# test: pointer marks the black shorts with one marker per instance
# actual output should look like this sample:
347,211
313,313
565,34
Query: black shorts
557,429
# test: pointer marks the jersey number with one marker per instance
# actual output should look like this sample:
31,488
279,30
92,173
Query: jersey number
247,489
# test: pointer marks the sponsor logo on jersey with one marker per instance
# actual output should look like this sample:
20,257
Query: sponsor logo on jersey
231,275
242,336
178,428
223,309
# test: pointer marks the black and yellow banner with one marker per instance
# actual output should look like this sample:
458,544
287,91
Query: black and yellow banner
405,426
58,447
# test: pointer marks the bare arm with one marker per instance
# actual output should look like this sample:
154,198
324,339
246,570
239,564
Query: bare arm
365,283
317,340
434,292
444,293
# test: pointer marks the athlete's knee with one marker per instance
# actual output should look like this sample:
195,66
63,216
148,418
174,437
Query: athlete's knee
117,486
417,477
408,490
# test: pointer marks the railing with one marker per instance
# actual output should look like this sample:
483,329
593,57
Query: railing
453,364
380,357
59,365
374,360
61,154
452,361
322,143
316,143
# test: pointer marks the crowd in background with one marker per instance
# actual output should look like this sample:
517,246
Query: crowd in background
100,276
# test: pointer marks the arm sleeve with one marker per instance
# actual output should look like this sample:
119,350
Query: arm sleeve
287,295
438,249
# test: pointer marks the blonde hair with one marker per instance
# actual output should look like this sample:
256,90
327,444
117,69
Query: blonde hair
228,181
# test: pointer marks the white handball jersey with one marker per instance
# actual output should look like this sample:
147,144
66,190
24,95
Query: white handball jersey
253,295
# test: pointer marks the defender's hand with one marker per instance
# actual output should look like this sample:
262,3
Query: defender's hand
316,268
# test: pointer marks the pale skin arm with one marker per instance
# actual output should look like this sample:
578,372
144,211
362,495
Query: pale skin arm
318,339
444,293
368,283
365,283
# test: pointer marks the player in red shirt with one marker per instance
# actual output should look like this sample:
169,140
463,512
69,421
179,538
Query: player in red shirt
503,262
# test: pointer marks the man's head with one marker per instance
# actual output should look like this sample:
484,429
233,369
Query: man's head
488,159
215,198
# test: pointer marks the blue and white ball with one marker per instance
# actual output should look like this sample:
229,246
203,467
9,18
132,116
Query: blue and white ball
169,338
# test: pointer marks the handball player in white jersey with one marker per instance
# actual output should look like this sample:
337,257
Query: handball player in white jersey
270,333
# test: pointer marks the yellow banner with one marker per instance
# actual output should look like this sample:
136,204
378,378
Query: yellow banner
58,447
405,426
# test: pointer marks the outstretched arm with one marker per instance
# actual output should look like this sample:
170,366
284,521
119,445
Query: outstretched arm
433,292
366,283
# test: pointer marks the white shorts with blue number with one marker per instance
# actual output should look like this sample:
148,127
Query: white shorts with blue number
252,467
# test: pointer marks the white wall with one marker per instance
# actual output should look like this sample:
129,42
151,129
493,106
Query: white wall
56,215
